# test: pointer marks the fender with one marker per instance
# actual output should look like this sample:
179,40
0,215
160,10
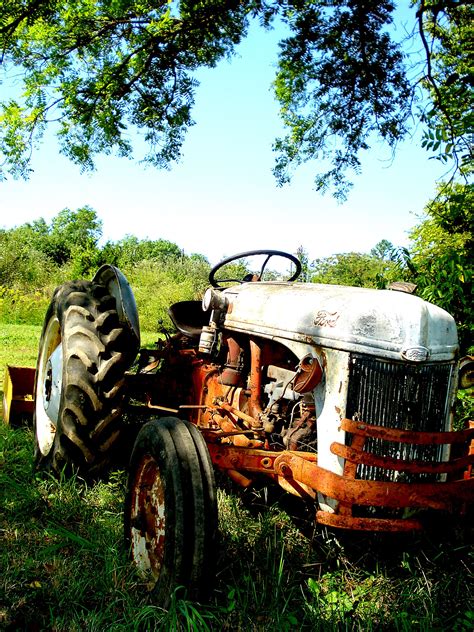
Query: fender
118,286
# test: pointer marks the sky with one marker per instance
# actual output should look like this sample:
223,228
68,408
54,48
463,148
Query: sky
222,198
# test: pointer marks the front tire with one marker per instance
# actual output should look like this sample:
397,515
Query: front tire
171,509
83,354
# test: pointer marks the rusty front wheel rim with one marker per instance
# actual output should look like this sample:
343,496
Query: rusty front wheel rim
148,521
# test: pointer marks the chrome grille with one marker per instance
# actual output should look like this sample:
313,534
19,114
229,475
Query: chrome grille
402,396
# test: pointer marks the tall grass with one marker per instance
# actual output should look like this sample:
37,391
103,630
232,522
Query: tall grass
64,566
23,308
157,285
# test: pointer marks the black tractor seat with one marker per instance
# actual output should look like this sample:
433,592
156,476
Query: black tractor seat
188,317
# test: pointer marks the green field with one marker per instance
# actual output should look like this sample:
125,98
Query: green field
64,566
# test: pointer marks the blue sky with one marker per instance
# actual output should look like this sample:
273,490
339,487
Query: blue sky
222,197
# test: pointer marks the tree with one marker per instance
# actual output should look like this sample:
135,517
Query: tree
80,227
98,67
447,35
73,238
130,250
384,250
33,252
303,258
351,268
101,67
442,256
23,263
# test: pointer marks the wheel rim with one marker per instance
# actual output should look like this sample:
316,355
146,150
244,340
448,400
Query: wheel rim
148,521
48,386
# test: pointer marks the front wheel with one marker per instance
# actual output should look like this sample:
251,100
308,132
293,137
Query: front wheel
171,509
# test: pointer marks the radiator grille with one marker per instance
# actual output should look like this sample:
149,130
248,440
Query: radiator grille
406,397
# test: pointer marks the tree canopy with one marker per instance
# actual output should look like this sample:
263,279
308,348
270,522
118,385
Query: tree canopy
101,68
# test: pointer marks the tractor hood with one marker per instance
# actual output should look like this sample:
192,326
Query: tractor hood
384,323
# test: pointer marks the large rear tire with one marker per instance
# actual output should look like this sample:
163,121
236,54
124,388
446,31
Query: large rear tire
171,509
83,354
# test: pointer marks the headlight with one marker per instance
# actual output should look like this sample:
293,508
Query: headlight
466,372
213,299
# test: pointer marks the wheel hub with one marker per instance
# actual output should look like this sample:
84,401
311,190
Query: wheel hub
52,384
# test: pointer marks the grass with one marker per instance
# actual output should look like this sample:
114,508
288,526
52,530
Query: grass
64,567
18,346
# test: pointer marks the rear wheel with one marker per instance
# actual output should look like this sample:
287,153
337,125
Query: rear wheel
79,384
171,509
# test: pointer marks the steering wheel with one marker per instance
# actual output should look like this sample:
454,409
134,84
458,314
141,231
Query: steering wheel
250,253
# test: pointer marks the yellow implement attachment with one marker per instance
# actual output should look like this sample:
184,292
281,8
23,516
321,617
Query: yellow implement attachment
18,388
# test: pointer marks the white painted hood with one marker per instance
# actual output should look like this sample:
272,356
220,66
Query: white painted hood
384,323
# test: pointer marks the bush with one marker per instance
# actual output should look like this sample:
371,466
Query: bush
17,307
157,285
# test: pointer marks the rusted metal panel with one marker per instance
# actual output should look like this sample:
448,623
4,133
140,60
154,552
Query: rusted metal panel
148,520
447,496
249,460
406,436
368,524
354,455
440,495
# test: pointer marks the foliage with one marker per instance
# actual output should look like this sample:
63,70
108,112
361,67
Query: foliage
20,307
36,257
464,411
441,255
130,251
341,78
99,69
447,35
303,258
355,268
22,262
384,250
157,285
33,254
74,236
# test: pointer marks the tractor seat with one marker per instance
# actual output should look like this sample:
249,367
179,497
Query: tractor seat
188,317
